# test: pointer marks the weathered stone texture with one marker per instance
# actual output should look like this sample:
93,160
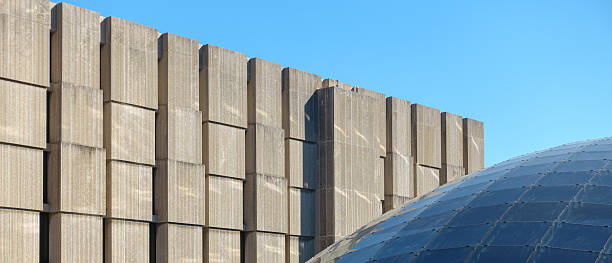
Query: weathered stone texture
221,246
452,139
178,134
129,133
223,150
75,238
375,115
178,72
25,41
264,247
265,203
426,135
225,202
301,164
300,109
399,175
126,241
75,46
180,192
473,145
449,173
301,212
24,114
398,126
299,249
129,191
77,179
223,86
266,150
129,63
264,93
394,201
76,115
21,180
427,179
179,243
20,240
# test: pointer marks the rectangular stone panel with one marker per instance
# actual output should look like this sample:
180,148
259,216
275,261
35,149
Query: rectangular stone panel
21,177
394,201
75,46
75,238
452,139
24,114
427,179
223,86
179,243
223,150
25,41
180,192
376,112
264,247
398,126
129,191
473,145
265,203
301,212
178,72
399,175
77,179
265,150
449,173
301,164
19,236
224,208
178,134
426,135
264,93
128,69
299,249
378,182
129,133
76,115
300,106
126,241
221,246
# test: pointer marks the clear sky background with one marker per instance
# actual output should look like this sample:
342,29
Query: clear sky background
537,73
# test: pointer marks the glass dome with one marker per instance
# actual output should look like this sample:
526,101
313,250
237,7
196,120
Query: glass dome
549,206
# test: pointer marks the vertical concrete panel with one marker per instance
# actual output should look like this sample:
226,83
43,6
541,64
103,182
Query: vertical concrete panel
221,246
129,63
452,139
179,243
265,150
178,134
19,231
21,181
399,175
300,106
376,113
75,46
299,249
24,114
427,179
223,86
301,164
223,150
180,192
398,126
394,201
265,203
224,202
264,93
77,179
25,41
301,212
473,145
76,115
75,238
126,241
129,133
426,135
449,173
264,247
129,191
178,72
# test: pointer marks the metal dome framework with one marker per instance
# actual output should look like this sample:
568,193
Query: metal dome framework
549,206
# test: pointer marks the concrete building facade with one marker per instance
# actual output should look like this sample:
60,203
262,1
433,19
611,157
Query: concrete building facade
118,143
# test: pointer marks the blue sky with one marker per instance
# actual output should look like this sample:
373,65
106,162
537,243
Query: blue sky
537,73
